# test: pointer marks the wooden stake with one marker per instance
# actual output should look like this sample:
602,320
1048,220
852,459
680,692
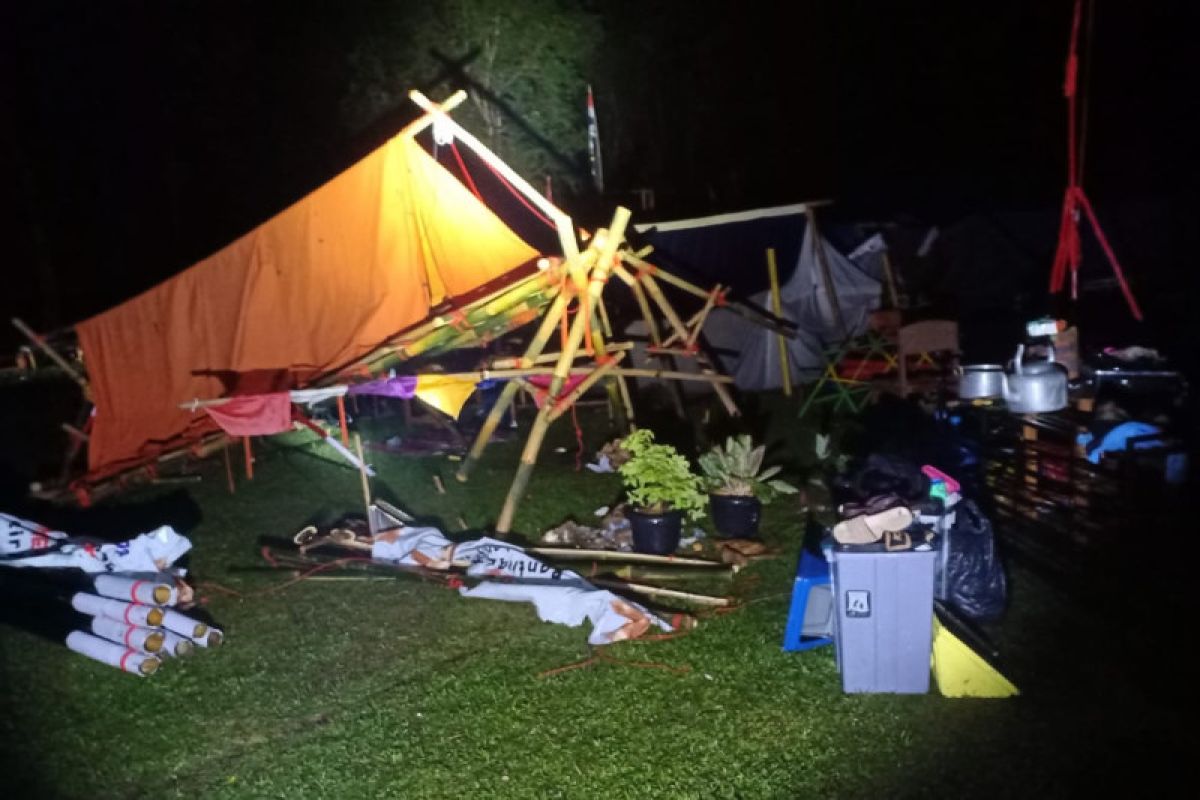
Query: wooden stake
229,468
362,471
249,458
785,375
341,407
532,351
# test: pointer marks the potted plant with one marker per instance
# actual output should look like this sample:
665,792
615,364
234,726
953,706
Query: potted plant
739,486
662,490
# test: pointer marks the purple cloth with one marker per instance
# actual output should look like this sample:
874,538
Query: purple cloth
403,387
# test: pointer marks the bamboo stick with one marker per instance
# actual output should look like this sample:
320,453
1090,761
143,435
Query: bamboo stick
53,354
891,279
520,362
785,374
532,351
826,275
656,591
537,432
362,471
665,305
572,554
424,121
697,321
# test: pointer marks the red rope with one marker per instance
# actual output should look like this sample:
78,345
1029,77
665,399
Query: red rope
519,196
462,166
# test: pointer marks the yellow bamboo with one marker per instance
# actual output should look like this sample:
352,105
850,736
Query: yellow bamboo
707,377
532,351
607,248
891,278
661,300
697,321
785,374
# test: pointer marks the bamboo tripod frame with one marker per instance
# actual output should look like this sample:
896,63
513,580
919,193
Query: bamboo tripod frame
585,277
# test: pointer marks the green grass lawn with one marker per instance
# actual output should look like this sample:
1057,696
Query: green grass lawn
400,688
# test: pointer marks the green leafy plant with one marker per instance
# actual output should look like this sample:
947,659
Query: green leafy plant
736,469
658,478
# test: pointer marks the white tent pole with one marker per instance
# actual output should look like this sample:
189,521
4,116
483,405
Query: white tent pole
562,222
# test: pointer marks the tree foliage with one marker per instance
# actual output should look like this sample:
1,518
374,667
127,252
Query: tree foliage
524,64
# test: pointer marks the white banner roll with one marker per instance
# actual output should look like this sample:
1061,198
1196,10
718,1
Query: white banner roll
113,654
129,613
193,629
133,637
176,645
137,590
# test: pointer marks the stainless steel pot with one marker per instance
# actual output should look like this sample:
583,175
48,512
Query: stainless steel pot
1037,388
980,381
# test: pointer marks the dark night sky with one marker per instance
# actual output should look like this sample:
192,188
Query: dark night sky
139,137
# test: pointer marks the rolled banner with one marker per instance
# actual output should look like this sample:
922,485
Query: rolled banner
113,654
132,636
129,613
137,590
193,629
175,645
211,638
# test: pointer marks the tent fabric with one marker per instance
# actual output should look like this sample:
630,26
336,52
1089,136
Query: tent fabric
319,285
726,248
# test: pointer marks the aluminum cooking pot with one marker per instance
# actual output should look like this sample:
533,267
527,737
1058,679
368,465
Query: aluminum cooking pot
980,381
1036,388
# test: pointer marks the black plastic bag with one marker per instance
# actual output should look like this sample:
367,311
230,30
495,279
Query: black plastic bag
974,579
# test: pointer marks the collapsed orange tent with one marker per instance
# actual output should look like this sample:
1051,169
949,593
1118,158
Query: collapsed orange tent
321,284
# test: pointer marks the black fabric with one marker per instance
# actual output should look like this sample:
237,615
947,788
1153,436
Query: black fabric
975,582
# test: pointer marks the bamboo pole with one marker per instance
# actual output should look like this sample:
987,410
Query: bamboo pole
362,471
709,377
656,591
890,275
622,384
826,276
665,305
639,295
562,222
521,362
532,351
572,554
424,121
537,432
785,374
50,352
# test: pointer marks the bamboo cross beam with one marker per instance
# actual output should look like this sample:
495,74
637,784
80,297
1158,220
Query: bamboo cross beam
425,120
697,322
521,362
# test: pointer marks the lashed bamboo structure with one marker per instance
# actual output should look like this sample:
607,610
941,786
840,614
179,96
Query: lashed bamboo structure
561,294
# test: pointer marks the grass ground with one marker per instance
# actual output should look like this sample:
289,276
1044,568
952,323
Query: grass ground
403,689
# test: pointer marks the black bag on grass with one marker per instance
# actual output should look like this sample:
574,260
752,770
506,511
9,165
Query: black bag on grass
975,582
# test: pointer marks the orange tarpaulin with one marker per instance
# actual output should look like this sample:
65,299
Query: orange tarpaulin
320,284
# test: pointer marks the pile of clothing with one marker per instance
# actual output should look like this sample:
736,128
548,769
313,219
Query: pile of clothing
890,503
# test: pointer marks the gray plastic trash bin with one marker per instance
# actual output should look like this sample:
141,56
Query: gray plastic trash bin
884,618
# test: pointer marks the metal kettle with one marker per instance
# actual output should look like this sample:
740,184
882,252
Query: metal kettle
1036,388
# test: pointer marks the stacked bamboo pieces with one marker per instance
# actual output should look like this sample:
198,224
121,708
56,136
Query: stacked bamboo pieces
133,625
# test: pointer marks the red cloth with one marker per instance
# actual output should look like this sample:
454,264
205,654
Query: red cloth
542,382
254,415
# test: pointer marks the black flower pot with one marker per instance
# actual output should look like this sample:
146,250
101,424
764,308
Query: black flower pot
655,533
735,516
